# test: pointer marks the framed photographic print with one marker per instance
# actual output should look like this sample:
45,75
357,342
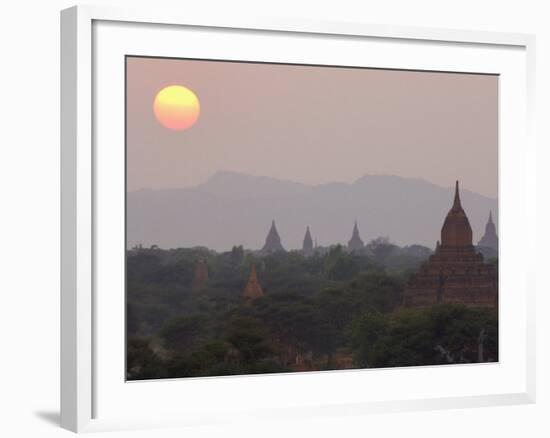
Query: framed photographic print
289,218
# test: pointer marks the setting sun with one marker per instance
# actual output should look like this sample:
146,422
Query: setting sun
176,107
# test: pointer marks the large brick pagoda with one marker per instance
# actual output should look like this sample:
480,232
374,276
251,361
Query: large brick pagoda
455,273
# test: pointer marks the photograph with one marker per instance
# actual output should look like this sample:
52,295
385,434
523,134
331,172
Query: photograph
301,218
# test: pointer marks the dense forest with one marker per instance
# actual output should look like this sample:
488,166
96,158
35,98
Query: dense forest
333,310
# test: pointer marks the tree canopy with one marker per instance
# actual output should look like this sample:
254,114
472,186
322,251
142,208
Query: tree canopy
317,312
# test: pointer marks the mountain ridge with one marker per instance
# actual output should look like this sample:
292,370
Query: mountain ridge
232,209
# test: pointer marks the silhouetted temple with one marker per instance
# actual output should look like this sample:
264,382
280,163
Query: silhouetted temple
355,243
455,273
490,238
272,241
200,275
253,289
307,247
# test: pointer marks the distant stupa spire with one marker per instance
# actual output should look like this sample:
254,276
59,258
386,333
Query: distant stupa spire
253,289
273,240
490,238
355,243
307,247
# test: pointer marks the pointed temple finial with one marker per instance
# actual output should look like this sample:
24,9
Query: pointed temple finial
456,230
456,203
490,216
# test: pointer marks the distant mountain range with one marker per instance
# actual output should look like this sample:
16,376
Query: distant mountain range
235,209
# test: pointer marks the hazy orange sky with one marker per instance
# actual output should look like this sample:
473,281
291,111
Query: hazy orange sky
313,124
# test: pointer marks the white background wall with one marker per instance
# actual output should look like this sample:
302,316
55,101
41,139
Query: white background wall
29,219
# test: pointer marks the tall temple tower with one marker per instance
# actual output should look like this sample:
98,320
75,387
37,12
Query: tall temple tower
355,243
490,238
455,273
272,241
307,247
200,275
253,289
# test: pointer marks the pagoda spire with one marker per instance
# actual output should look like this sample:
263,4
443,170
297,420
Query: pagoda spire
307,247
491,216
273,240
355,243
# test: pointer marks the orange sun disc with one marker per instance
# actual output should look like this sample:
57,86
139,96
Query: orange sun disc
176,107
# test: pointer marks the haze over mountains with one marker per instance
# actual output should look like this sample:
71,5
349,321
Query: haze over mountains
236,209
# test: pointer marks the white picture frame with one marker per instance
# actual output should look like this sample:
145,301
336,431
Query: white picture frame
90,38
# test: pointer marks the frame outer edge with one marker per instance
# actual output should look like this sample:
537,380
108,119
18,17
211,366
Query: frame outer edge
68,220
533,284
76,237
179,16
76,337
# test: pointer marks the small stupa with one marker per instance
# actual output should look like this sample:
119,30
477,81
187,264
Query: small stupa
200,275
253,289
490,238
